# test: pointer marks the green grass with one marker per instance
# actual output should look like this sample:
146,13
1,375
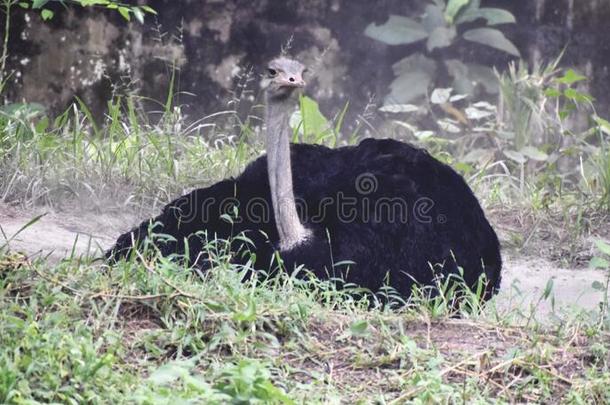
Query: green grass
154,332
127,159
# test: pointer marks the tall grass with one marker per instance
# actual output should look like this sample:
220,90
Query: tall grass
602,164
126,159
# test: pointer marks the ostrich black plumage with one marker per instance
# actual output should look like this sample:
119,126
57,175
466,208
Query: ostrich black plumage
388,211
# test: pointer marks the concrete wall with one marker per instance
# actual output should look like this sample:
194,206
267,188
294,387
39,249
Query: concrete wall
215,44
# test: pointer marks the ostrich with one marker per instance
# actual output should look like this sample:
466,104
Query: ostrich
382,212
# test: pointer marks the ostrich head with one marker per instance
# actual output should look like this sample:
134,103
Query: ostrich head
283,78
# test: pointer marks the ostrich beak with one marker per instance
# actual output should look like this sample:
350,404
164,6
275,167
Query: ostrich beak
296,82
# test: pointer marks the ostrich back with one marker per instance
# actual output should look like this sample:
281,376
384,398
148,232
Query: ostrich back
381,212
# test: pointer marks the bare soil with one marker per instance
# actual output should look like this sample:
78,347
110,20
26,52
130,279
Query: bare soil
57,235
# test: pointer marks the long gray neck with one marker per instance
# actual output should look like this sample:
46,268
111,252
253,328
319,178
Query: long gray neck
292,233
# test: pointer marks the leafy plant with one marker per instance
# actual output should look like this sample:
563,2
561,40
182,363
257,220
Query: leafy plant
466,122
249,382
524,119
536,106
440,27
528,132
125,10
311,126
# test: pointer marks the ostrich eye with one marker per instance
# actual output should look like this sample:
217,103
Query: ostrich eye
272,72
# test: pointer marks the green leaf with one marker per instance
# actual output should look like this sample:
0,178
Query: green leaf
314,123
599,263
467,76
548,289
46,14
89,115
149,9
441,37
433,18
476,114
423,135
399,108
416,62
571,77
494,16
359,328
551,92
398,30
493,38
39,3
406,125
577,96
125,13
458,97
88,3
413,76
596,285
138,14
472,5
462,83
440,96
603,247
534,153
477,155
25,5
408,86
42,125
602,123
448,125
516,156
169,373
453,8
485,105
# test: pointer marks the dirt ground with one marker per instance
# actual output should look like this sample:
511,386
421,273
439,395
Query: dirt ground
57,235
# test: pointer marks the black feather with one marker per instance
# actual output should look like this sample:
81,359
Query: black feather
453,232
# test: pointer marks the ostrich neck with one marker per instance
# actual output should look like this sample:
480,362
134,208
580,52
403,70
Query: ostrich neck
291,232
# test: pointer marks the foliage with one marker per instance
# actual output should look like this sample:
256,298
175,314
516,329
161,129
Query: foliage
311,126
125,10
441,25
527,136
